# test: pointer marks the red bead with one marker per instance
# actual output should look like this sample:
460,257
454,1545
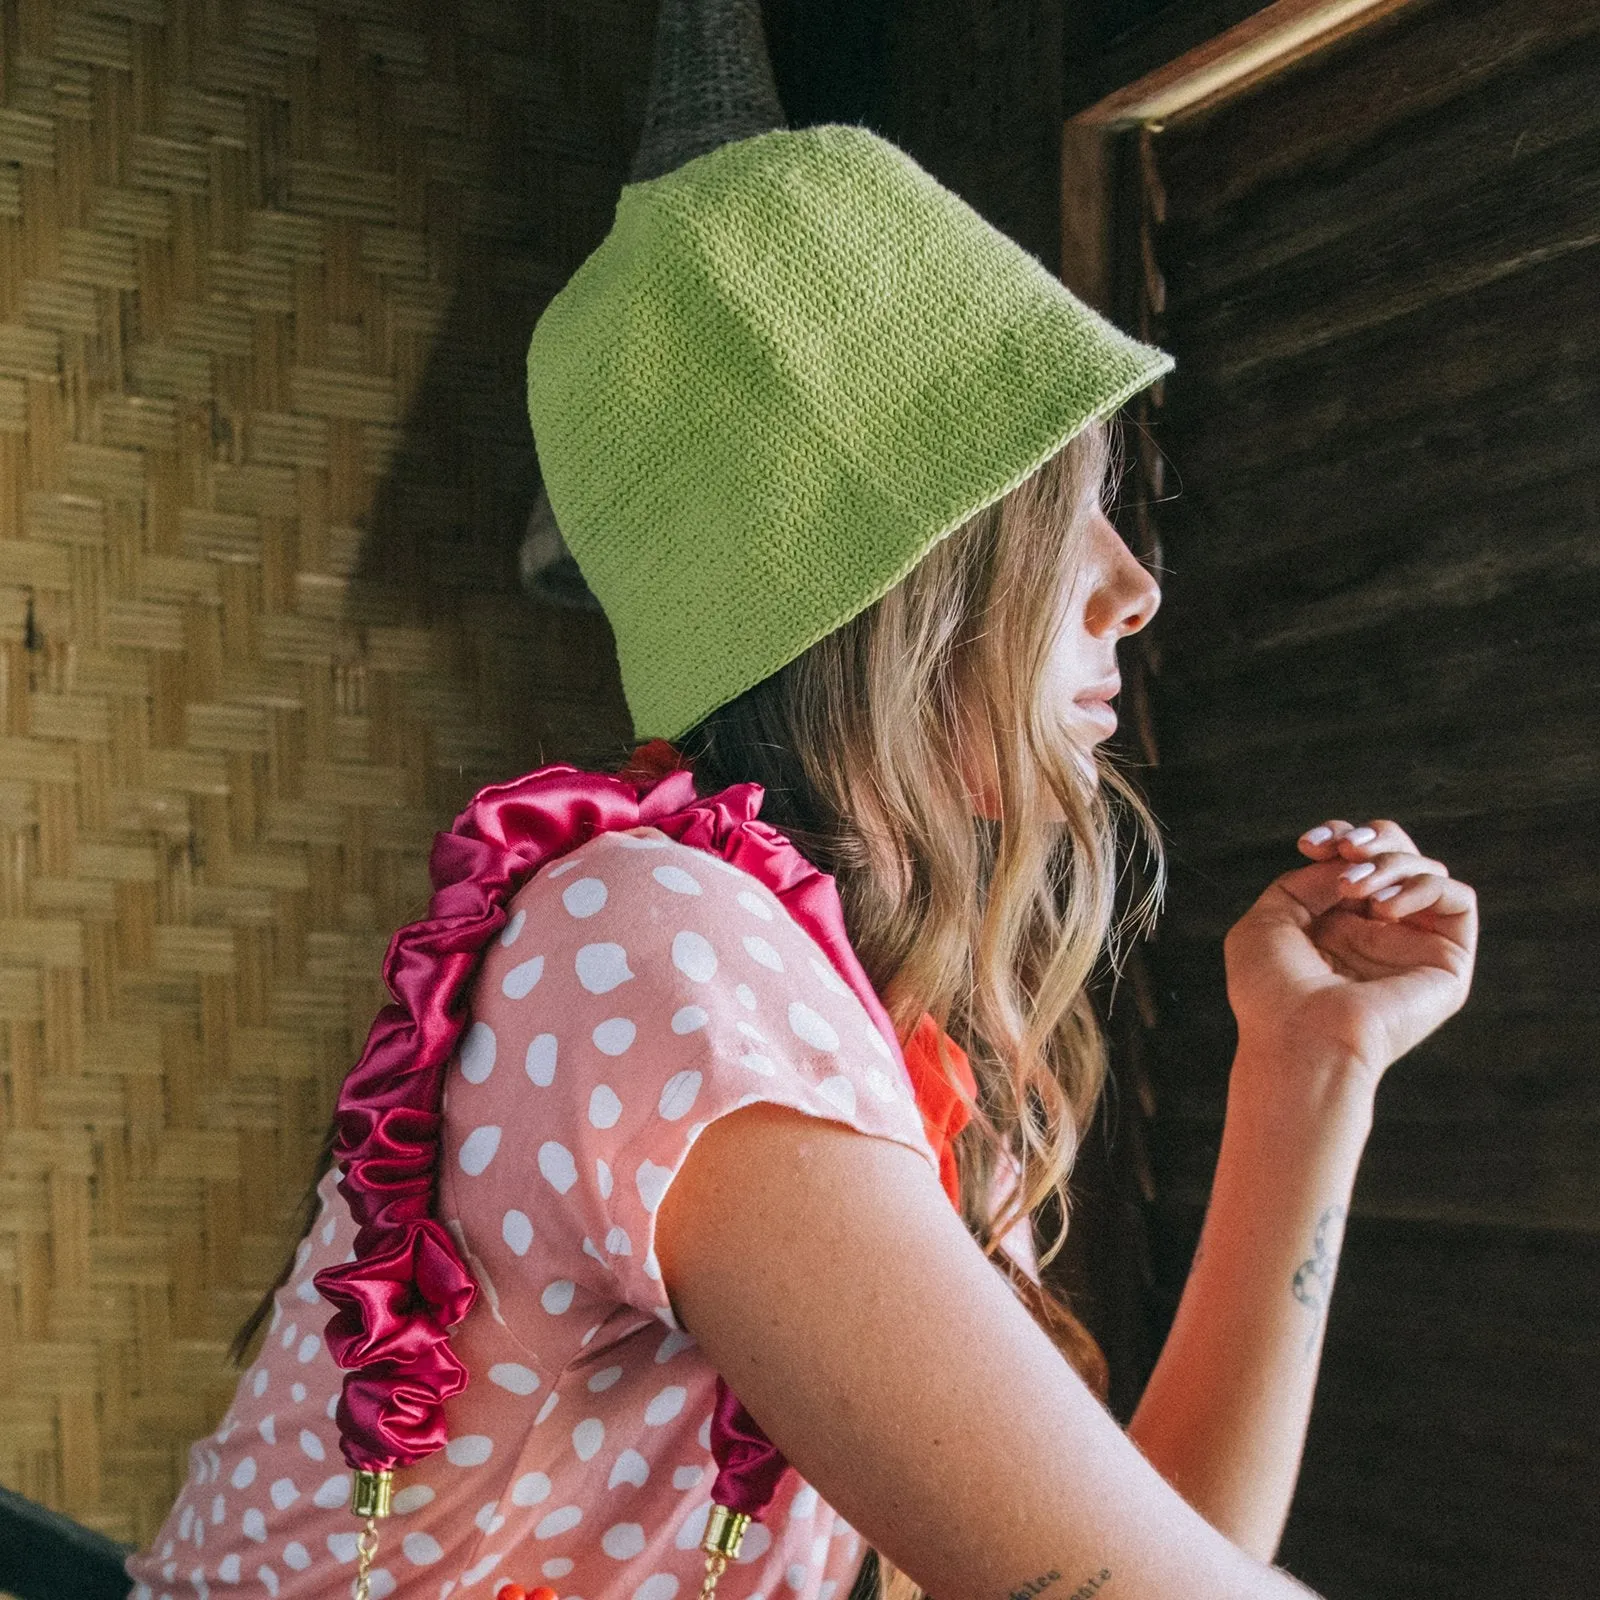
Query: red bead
511,1591
543,1592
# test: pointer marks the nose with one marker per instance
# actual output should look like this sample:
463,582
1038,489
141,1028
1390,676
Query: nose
1125,596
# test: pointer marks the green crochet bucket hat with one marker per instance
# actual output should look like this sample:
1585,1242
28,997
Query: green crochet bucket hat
794,365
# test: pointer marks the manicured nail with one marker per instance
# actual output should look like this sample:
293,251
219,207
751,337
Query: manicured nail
1390,892
1317,835
1360,870
1361,835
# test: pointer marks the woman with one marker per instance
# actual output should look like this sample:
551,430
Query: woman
832,453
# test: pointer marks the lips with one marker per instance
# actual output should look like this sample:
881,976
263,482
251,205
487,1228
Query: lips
1095,703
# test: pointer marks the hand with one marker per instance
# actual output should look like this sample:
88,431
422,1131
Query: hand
1352,960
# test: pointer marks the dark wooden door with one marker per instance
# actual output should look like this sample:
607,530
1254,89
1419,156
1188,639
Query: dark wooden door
1380,274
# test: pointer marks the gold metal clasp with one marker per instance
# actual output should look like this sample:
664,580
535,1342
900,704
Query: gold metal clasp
724,1532
371,1493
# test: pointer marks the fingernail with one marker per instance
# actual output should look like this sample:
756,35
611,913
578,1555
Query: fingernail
1361,835
1317,835
1359,871
1390,892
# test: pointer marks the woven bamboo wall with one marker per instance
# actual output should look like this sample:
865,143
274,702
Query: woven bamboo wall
267,273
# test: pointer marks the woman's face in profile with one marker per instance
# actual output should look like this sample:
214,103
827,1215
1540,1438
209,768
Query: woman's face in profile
1111,596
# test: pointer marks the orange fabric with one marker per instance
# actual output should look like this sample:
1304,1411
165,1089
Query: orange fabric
944,1112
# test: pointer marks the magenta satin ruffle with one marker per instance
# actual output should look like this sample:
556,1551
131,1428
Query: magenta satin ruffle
408,1286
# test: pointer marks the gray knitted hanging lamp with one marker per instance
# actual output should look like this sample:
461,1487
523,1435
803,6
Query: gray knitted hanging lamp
711,83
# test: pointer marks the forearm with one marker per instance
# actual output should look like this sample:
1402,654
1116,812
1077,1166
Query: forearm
1224,1416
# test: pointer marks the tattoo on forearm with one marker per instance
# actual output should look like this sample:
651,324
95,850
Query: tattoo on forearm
1313,1278
1084,1591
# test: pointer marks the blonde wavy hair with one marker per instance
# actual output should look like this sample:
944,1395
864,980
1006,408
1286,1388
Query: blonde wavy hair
994,924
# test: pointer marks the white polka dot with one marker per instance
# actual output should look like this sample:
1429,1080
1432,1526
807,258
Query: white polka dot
308,1348
380,1583
880,1085
477,1052
804,1503
478,1148
219,1509
659,1585
514,1377
666,1405
331,1410
622,1541
254,1524
839,1091
760,951
519,981
283,1490
686,1478
565,866
540,1061
602,1178
421,1549
618,1242
704,1435
469,1450
557,1165
693,956
482,1569
530,1489
828,977
244,1474
651,1182
556,1567
587,1437
678,1095
689,1019
267,1427
601,967
259,1383
604,1379
757,1541
268,1580
753,902
513,929
296,1555
613,1036
562,1520
693,1529
228,1566
756,1062
812,1026
640,839
186,1522
674,1342
517,1231
629,1467
342,1547
677,880
879,1043
306,1290
584,897
412,1498
332,1493
796,1576
557,1296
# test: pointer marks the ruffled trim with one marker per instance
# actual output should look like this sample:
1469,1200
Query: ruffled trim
408,1286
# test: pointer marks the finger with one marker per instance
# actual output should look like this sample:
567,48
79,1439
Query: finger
1379,836
1362,880
1322,841
1442,897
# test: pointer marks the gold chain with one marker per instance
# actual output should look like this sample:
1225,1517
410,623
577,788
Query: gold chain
366,1549
715,1567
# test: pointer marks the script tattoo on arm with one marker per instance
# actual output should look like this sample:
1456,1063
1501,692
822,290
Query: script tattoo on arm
1089,1587
1313,1278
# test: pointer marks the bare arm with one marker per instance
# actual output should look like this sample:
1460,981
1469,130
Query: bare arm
1329,985
827,1277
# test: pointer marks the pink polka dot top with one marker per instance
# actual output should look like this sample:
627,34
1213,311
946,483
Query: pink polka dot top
639,989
